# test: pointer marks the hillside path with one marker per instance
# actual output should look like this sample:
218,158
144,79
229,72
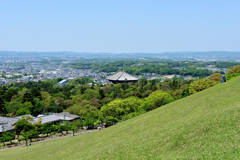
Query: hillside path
49,139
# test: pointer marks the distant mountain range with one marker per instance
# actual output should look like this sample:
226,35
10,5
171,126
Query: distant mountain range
213,55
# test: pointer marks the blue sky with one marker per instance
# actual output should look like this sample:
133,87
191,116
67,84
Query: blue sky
120,25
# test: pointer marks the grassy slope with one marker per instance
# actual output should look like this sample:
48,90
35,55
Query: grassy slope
204,125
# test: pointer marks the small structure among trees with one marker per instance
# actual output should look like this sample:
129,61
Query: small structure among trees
121,77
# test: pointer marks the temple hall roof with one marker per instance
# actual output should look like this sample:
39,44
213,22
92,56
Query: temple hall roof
121,76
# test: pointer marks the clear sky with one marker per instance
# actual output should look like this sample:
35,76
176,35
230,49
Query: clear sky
120,25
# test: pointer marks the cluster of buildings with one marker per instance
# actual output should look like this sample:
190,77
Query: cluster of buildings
37,73
34,68
7,123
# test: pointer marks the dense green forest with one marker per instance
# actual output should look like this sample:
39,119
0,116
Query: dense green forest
94,104
140,67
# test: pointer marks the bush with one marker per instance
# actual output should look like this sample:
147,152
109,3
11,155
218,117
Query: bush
230,76
200,85
156,99
216,77
119,107
235,69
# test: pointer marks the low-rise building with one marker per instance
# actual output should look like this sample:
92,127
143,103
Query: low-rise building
63,82
7,124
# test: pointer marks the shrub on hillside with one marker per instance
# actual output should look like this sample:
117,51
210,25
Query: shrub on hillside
230,76
119,107
234,69
216,77
200,85
156,99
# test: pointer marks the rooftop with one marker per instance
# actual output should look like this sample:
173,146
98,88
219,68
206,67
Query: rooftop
48,119
6,123
121,76
66,116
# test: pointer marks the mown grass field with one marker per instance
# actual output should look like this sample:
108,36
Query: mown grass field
205,125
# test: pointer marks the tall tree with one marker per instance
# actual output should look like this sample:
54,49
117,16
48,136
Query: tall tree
23,124
11,92
27,97
6,137
3,110
35,93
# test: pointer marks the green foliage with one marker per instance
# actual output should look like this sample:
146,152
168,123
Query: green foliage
65,126
230,76
98,122
23,111
55,109
7,136
235,69
11,92
101,93
107,89
164,68
200,85
38,107
216,77
185,92
47,128
25,108
90,122
82,81
14,105
131,115
56,128
177,93
156,99
117,91
119,107
90,94
87,101
109,120
36,94
30,134
23,124
73,127
59,94
2,106
224,64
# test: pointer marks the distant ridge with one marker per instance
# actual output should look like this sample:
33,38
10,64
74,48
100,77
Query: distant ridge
176,56
69,53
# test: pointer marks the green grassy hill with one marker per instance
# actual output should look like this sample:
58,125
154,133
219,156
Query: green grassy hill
205,125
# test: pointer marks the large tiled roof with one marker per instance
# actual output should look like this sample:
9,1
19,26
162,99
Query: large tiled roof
48,118
122,76
5,127
32,121
19,117
9,120
6,123
65,116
